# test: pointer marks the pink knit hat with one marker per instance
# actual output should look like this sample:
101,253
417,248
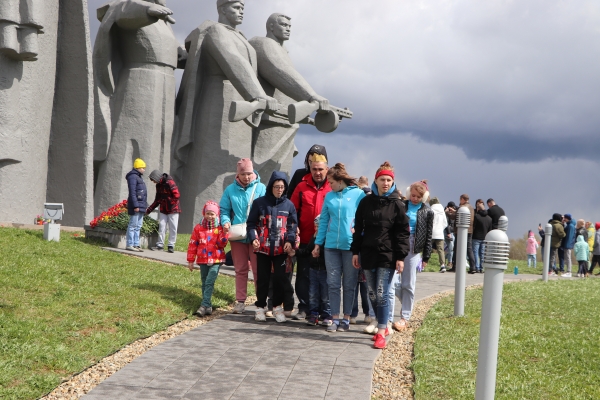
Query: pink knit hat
211,206
244,165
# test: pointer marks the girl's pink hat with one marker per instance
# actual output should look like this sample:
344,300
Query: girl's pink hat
244,165
211,206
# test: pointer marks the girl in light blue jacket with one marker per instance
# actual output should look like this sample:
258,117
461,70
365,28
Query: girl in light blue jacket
335,234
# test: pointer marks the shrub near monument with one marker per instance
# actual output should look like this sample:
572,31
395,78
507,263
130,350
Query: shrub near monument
116,217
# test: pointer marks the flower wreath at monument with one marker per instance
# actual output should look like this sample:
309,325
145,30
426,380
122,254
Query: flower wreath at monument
116,217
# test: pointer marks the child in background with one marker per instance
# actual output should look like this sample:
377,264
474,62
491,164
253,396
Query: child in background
582,254
532,246
318,293
207,249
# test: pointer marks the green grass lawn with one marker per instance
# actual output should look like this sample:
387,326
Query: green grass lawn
434,266
66,305
549,344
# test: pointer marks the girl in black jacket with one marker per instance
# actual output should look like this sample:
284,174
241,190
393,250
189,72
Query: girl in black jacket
420,218
381,237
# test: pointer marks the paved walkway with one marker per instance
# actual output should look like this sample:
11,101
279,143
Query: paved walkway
234,357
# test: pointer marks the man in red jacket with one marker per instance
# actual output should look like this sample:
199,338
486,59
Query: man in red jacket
167,196
308,199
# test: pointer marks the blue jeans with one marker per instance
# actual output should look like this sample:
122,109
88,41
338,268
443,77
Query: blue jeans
450,249
531,258
378,281
318,293
208,276
478,248
340,272
363,289
133,229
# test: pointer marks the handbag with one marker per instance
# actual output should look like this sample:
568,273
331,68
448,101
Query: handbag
238,231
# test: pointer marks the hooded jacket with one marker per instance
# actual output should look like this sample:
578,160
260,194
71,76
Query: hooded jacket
273,220
337,218
308,200
581,249
301,172
423,231
558,233
482,225
440,222
568,241
234,202
381,231
167,196
532,245
207,246
138,194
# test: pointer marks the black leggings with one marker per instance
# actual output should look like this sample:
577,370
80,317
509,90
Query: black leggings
282,287
595,260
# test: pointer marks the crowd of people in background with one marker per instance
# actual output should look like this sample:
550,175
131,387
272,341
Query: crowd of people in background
569,236
345,237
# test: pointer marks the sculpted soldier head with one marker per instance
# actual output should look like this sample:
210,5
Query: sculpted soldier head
279,27
231,12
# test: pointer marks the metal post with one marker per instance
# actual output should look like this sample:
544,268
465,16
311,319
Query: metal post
463,221
547,249
495,261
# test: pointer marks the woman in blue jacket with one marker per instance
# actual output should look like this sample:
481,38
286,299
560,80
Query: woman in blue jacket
335,234
235,206
271,228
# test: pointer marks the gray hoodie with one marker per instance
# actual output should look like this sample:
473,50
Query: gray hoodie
596,248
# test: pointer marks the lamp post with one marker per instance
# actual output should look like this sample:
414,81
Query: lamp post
463,221
547,249
495,261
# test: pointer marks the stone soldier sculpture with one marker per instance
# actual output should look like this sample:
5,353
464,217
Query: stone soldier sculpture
135,56
46,109
221,68
273,140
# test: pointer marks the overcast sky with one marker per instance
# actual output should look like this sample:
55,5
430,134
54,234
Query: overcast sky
491,98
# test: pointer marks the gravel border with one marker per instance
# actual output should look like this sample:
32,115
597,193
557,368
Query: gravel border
79,384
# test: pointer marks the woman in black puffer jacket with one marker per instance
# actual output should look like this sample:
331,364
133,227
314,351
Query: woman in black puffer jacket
381,234
420,218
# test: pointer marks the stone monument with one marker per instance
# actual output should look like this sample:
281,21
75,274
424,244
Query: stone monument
273,140
221,68
135,56
45,101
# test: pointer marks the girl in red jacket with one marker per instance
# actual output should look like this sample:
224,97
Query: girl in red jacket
207,249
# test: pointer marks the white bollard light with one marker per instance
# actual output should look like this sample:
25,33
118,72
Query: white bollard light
463,221
503,223
495,261
547,249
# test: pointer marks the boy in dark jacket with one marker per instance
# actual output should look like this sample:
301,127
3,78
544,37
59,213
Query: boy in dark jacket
318,290
137,202
271,228
167,197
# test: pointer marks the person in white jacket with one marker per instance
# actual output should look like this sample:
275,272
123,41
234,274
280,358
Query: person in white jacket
439,224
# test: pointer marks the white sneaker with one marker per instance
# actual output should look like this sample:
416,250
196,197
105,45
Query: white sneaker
353,320
368,319
372,327
566,275
239,308
279,315
390,329
269,314
260,315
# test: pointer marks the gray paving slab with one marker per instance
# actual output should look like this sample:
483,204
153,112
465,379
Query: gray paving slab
235,357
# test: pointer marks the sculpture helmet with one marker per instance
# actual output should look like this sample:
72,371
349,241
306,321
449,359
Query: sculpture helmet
223,2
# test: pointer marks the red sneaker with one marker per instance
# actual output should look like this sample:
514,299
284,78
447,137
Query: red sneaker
379,342
387,333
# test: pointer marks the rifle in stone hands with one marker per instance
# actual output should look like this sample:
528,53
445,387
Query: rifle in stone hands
240,110
298,113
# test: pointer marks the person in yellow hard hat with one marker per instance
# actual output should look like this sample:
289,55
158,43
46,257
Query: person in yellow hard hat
137,203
